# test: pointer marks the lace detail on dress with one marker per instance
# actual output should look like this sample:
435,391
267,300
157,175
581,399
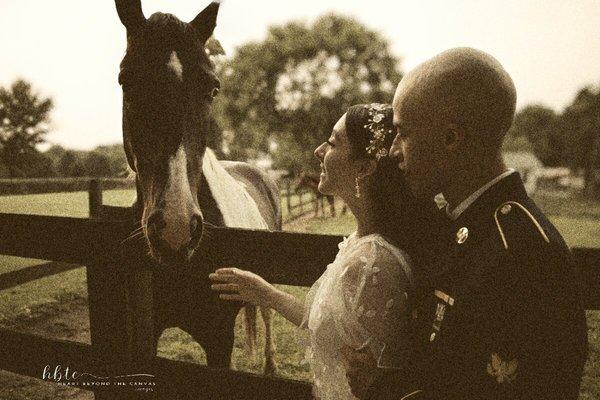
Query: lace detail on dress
358,302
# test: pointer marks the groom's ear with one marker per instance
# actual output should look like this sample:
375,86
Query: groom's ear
454,136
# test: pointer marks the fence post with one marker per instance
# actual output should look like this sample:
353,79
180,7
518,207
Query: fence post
122,322
107,300
95,198
288,195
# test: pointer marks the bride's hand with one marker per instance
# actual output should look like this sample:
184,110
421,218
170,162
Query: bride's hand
242,286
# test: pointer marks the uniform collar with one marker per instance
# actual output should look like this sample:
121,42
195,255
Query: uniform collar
477,217
458,210
508,188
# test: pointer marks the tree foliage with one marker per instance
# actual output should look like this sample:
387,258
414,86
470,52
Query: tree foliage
24,119
539,126
284,94
570,138
581,124
103,161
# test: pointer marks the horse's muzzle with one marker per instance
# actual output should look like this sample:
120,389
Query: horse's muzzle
174,246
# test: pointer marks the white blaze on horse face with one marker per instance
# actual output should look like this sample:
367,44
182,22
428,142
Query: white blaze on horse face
179,203
175,65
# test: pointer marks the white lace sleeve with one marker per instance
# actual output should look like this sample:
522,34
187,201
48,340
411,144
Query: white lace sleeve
374,287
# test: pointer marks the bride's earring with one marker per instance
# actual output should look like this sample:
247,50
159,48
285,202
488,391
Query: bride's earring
357,187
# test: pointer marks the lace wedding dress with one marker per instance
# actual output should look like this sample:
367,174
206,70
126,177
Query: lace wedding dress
359,302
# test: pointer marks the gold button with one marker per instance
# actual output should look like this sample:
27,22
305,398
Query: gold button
506,209
462,235
432,337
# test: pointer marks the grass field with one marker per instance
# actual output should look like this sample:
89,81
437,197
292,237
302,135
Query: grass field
580,228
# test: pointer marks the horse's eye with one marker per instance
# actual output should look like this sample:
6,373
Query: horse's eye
214,92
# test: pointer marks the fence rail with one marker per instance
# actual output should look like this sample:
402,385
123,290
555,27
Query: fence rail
176,379
59,185
295,201
121,310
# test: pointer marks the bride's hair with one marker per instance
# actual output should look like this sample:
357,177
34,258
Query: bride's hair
398,215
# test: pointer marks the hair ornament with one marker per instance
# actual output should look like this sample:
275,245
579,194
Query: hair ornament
378,129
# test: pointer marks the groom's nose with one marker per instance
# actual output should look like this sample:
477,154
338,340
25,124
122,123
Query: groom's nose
396,149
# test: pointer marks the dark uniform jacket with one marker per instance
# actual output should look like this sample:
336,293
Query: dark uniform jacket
497,313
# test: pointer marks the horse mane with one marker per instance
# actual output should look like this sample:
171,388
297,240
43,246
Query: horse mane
236,205
165,22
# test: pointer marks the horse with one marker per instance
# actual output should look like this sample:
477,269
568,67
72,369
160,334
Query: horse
311,182
168,84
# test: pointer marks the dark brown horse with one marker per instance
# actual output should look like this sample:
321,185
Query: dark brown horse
311,182
168,85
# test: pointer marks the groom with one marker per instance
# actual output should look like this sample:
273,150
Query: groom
497,313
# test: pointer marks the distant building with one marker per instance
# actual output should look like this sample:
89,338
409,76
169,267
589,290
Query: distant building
528,165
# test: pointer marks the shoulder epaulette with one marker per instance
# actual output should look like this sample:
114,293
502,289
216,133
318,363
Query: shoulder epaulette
509,207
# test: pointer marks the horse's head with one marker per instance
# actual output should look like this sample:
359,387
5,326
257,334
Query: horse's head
168,84
300,182
306,181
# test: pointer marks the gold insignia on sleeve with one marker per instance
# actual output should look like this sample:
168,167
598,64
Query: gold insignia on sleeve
505,209
503,371
462,235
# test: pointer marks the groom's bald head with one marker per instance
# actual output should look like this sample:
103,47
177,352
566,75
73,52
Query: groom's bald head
452,113
462,86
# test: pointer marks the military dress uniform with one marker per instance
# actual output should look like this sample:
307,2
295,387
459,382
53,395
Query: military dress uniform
497,314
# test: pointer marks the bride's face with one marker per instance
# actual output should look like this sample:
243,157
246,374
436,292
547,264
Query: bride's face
338,170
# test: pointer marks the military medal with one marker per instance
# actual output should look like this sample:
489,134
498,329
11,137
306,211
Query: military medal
439,312
439,316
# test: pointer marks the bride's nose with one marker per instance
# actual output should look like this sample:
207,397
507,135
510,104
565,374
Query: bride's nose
319,151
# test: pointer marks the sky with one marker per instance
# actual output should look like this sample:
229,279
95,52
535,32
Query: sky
71,49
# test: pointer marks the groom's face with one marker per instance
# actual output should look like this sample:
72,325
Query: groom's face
416,144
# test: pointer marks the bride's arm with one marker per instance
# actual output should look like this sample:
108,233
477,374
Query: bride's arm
290,307
247,286
379,305
374,289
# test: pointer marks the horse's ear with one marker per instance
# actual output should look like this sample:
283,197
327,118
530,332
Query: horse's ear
204,24
131,14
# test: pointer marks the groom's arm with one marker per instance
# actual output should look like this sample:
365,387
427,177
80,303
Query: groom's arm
393,385
369,382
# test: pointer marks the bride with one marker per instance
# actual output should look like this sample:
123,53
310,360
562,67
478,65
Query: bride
360,301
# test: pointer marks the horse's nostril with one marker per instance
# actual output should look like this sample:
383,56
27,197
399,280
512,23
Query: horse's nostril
196,227
155,222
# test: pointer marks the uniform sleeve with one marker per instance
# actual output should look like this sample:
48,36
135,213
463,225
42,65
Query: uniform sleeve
375,287
538,346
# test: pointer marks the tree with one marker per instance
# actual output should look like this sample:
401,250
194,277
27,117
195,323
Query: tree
283,95
24,118
115,155
37,165
4,172
97,165
71,164
538,126
581,121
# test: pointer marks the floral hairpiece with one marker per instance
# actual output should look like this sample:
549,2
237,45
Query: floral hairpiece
377,128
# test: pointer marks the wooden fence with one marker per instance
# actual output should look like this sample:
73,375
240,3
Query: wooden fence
295,201
120,300
59,185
